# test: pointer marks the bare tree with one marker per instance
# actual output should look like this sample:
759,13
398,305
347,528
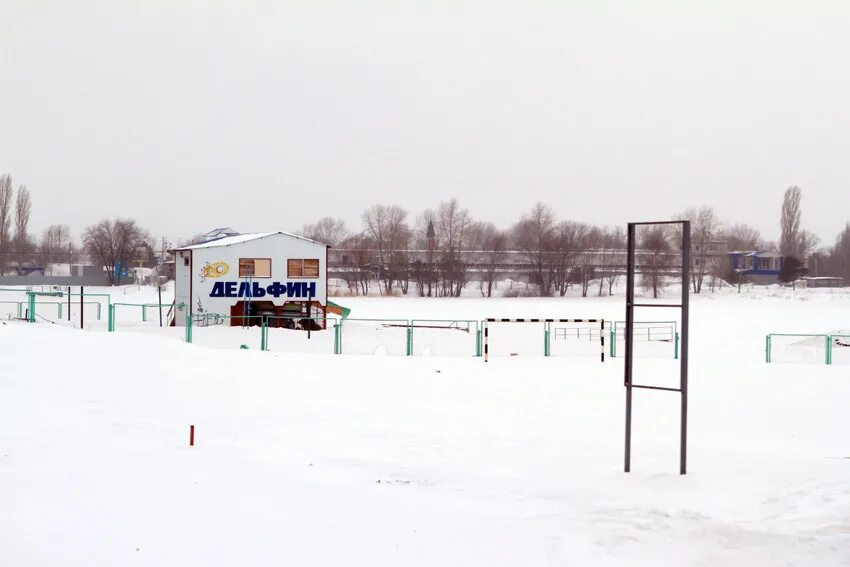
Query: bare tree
23,210
571,241
742,237
534,235
612,244
838,257
55,241
705,227
387,228
452,228
491,244
789,242
399,268
359,262
655,242
808,243
6,193
326,230
114,245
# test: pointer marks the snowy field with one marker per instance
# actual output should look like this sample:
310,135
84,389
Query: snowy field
366,458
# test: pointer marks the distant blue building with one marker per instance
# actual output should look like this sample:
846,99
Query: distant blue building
757,267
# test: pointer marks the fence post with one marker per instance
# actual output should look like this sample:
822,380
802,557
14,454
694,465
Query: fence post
338,338
477,341
613,338
110,323
31,313
767,349
829,349
409,339
144,313
546,339
189,327
676,348
60,309
263,333
20,310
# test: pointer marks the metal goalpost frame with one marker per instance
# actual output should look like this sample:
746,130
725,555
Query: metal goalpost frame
684,306
546,332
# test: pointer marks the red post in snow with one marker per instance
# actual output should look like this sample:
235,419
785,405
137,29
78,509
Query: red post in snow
191,435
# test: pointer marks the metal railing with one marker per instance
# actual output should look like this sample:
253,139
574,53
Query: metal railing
663,329
827,338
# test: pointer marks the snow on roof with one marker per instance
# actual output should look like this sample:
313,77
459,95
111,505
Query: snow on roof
230,240
756,253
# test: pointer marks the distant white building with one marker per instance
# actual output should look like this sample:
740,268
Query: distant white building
272,273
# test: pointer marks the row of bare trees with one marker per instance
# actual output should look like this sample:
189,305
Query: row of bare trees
111,243
437,251
15,244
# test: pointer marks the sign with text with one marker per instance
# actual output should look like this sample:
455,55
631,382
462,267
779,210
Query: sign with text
255,289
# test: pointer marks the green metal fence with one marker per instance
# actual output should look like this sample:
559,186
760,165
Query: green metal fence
141,306
581,330
380,325
216,320
291,323
618,330
32,302
420,327
827,342
346,330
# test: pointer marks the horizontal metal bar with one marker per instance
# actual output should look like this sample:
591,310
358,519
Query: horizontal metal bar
801,335
658,222
656,305
494,320
641,386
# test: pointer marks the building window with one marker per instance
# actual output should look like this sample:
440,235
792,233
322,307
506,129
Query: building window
302,268
255,267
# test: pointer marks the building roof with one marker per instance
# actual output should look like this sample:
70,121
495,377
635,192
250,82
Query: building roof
231,240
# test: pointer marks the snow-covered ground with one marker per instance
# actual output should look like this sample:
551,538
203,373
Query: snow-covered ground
310,458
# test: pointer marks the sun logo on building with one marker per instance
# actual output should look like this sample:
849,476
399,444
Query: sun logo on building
214,270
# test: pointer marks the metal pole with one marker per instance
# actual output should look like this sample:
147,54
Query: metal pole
767,349
82,320
310,313
69,303
159,294
486,342
630,299
683,360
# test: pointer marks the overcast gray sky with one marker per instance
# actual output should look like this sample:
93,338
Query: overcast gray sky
264,115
